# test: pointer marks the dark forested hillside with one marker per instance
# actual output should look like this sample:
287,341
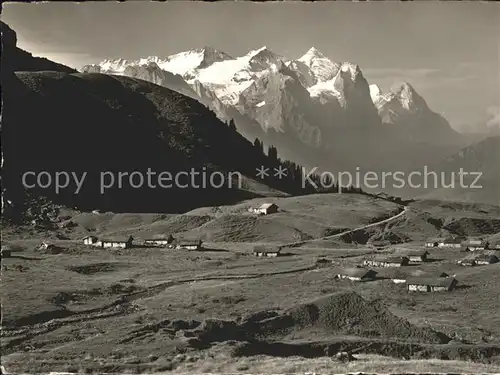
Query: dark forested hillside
87,124
96,123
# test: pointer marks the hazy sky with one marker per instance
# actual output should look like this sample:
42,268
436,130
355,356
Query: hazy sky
449,51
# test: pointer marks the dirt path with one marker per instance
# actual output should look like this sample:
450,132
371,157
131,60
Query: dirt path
385,221
120,306
338,235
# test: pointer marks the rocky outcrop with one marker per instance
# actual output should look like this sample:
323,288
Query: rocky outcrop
406,109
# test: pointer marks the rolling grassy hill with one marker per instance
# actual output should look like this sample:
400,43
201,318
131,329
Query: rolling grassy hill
299,218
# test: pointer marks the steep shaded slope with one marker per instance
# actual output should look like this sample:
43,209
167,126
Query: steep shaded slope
481,161
412,117
95,123
440,179
15,59
276,100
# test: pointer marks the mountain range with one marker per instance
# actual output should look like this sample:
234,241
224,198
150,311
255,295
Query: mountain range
318,112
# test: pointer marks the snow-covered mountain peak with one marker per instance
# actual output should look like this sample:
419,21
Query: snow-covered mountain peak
150,60
263,54
259,50
403,88
321,68
407,96
150,65
401,100
343,81
116,65
210,50
353,70
375,92
113,61
326,89
242,82
212,55
229,77
312,53
185,63
303,72
263,58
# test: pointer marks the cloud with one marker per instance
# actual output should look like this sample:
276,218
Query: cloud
494,117
489,126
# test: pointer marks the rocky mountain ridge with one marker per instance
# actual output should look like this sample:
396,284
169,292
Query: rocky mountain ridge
306,107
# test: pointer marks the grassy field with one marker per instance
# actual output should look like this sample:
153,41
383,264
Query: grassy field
324,365
143,309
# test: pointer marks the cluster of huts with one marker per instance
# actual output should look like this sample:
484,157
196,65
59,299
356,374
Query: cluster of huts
431,284
168,241
266,251
428,284
442,282
398,261
468,244
479,260
126,242
50,248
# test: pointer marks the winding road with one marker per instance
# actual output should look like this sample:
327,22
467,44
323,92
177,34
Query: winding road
338,235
